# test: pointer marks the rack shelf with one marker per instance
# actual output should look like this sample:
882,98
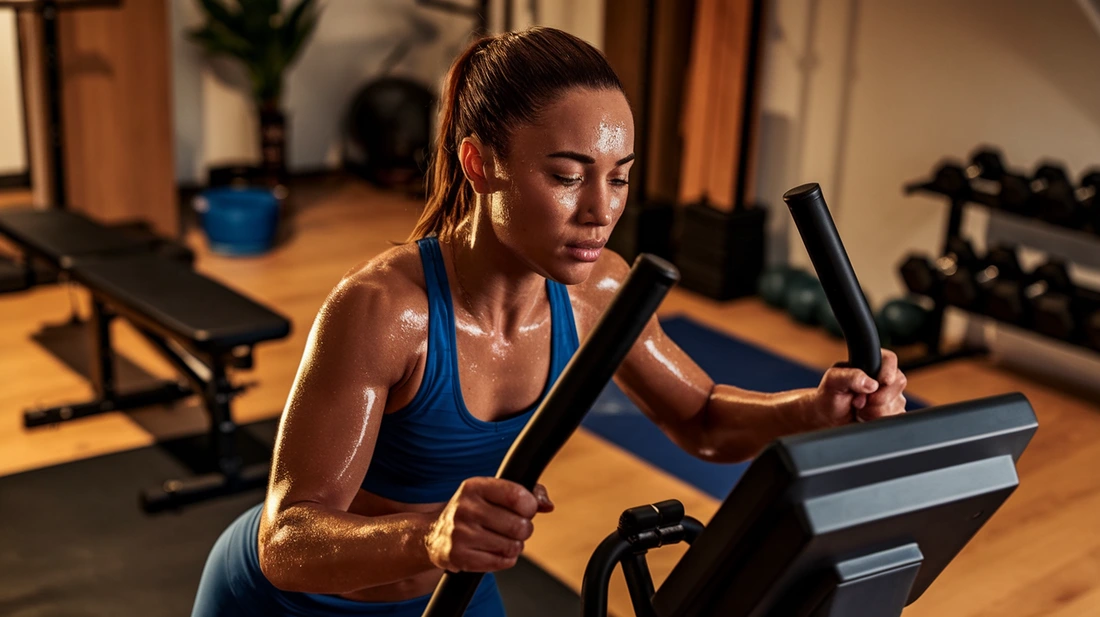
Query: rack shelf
969,197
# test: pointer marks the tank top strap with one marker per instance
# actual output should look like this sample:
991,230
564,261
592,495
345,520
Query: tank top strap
565,340
440,309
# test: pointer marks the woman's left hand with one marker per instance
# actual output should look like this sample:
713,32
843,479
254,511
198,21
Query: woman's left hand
843,389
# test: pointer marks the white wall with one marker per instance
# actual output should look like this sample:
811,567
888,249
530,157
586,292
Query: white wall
873,93
13,152
583,18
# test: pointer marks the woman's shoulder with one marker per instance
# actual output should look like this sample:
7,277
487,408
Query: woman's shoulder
396,272
387,287
591,297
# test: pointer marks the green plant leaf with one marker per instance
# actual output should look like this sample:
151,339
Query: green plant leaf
289,31
304,22
255,32
216,39
267,8
218,12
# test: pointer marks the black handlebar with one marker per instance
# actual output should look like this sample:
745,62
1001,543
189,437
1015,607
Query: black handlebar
811,216
569,400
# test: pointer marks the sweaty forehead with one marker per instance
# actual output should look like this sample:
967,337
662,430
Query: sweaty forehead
593,122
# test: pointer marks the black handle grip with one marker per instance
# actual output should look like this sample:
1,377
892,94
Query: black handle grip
569,400
811,216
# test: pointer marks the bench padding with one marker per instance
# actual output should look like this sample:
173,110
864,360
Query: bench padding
170,298
59,235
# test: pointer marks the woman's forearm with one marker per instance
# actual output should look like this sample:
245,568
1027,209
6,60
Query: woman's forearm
736,424
314,549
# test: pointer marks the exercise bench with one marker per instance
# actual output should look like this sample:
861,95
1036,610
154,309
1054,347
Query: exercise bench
48,239
202,327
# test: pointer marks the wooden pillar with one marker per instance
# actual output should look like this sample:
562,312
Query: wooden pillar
648,44
721,108
671,53
117,113
625,45
32,67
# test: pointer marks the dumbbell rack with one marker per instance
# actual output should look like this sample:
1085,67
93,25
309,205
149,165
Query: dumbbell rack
959,201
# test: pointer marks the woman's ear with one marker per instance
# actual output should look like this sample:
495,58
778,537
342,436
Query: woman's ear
477,164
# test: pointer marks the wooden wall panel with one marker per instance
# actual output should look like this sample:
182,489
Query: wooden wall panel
654,81
695,121
117,113
726,103
624,46
671,55
31,65
719,115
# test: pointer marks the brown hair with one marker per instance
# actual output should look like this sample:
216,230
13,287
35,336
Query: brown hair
498,83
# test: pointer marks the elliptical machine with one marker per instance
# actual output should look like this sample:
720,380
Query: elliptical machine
855,521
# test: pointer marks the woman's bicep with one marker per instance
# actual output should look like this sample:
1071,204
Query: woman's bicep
331,421
662,379
656,374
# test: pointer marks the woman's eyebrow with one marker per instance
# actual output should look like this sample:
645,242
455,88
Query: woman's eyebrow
585,159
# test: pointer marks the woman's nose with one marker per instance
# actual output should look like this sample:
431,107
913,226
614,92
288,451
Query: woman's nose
597,208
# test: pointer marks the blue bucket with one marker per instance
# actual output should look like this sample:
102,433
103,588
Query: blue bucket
239,221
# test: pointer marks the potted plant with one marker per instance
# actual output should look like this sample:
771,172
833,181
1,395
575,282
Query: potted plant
266,40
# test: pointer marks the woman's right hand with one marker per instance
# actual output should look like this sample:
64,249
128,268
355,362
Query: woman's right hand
483,527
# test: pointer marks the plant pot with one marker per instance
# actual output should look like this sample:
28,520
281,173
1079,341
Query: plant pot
273,145
239,221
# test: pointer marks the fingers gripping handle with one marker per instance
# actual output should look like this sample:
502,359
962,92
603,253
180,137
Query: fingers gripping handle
569,400
815,225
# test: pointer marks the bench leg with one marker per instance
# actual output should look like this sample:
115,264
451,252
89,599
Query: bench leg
233,476
159,395
103,380
103,364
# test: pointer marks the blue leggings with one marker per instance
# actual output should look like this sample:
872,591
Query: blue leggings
232,584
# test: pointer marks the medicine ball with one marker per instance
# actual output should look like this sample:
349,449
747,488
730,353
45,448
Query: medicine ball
803,296
389,125
902,321
773,283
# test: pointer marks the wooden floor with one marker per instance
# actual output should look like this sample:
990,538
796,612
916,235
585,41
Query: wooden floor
1039,556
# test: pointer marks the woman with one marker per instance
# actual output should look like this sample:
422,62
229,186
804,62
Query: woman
424,363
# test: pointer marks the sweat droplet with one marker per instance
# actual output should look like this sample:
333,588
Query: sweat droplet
611,138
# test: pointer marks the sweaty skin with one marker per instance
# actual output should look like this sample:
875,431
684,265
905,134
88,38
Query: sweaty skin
543,210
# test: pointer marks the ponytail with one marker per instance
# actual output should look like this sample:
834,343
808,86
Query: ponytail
498,83
450,197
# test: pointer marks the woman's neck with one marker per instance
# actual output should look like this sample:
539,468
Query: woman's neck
494,287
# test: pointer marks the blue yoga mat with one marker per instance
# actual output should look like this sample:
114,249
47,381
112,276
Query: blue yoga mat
727,360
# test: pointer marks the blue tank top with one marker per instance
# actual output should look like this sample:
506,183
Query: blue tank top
425,450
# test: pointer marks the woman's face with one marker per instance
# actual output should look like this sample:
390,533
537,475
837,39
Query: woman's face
561,189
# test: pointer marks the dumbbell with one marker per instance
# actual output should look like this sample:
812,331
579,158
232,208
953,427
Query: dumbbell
1010,191
1055,199
925,277
960,286
920,275
1002,286
1087,196
949,179
1055,307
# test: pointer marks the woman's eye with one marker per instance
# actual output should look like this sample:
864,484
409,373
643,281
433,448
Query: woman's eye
568,180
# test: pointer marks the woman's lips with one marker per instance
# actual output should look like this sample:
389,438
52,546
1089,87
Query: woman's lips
587,250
